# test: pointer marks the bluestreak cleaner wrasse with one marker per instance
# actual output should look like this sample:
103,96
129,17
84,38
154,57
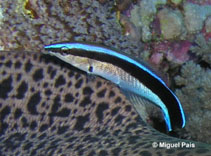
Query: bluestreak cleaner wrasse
128,73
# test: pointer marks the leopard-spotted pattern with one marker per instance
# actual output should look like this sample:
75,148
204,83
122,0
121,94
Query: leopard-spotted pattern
49,108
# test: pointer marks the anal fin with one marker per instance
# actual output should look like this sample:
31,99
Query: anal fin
145,108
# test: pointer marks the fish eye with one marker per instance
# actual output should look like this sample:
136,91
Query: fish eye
90,69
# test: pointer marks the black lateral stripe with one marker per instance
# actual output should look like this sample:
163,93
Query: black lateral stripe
148,80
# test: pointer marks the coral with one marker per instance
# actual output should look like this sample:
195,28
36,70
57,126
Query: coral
157,20
1,16
57,21
195,96
143,14
208,25
179,53
123,4
171,23
156,58
203,48
200,2
177,2
129,29
195,16
175,52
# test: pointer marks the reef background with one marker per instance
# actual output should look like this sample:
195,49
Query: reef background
174,36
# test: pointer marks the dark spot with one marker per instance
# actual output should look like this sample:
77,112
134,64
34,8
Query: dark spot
45,85
145,153
68,97
33,102
71,138
71,74
51,72
17,65
91,153
75,111
41,145
111,94
79,83
77,94
90,69
22,88
86,130
2,58
101,93
87,91
118,100
5,87
64,112
81,121
115,111
48,92
116,132
3,128
79,149
18,77
16,56
24,122
99,84
131,126
60,81
62,129
4,112
69,84
43,104
90,138
116,151
28,66
53,128
103,153
23,56
102,133
43,127
8,64
38,75
77,76
42,136
18,112
86,101
100,109
33,135
32,89
56,104
119,119
33,125
34,57
128,108
27,146
132,140
33,152
4,73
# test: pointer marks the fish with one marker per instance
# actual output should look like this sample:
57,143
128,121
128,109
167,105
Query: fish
48,107
129,74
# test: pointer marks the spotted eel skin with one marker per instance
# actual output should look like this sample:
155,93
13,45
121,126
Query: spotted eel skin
49,108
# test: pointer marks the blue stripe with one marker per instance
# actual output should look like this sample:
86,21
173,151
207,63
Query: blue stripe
99,49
